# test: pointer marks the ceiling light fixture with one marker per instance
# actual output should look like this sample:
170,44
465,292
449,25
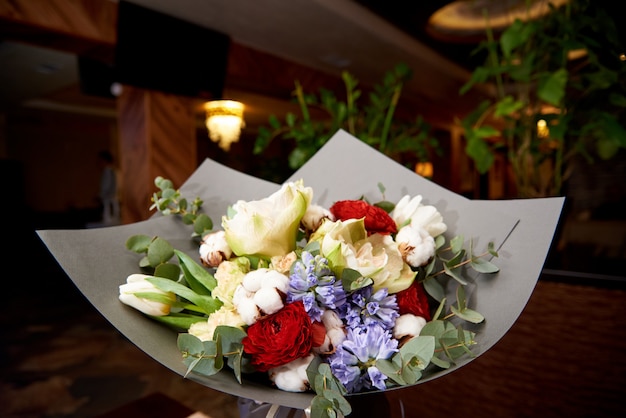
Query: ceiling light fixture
462,18
224,121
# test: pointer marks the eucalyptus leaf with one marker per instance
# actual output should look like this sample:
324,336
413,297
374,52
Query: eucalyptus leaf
338,401
483,266
138,243
468,315
454,272
321,407
391,370
159,251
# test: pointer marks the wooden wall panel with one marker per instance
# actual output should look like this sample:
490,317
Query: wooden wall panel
157,138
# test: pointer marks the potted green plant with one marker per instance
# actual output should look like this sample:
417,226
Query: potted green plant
373,122
536,75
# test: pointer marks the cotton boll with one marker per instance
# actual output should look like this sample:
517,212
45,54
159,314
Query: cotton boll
241,293
416,245
291,377
336,336
314,216
214,249
253,280
408,325
268,300
276,280
248,310
331,320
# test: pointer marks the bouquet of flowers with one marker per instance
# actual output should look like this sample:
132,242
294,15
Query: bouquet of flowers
96,261
339,300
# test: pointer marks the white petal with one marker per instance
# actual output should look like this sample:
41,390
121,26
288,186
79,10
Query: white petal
408,325
268,300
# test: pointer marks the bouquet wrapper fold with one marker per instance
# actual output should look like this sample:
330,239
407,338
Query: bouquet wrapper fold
97,261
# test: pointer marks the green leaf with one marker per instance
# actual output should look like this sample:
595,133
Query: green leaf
410,376
468,315
440,363
338,401
552,88
208,363
421,347
508,106
515,35
167,270
434,289
188,343
321,407
199,279
138,243
479,151
491,248
454,272
438,313
461,301
353,280
202,224
456,244
179,321
483,266
391,370
206,303
159,251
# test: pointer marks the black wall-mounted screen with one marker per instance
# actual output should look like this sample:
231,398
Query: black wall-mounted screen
156,51
95,77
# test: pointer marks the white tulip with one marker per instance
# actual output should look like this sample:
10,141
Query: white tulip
137,283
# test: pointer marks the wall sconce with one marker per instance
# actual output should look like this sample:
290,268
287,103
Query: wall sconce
424,169
224,121
542,129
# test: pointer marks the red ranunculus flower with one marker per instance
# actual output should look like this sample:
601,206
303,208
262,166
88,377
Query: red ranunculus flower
279,338
376,219
414,300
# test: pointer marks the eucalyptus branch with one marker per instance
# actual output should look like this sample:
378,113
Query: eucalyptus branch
461,264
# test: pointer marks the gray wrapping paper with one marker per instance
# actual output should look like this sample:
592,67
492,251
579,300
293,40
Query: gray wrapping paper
97,261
